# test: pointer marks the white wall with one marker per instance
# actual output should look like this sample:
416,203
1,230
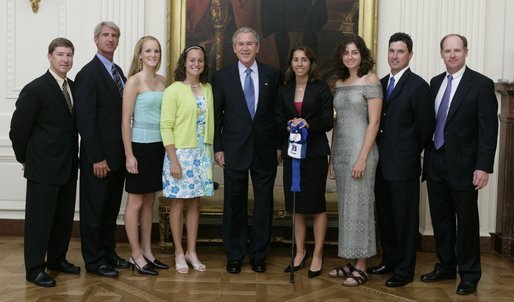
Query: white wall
23,57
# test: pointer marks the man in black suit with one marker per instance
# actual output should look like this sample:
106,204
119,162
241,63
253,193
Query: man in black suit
406,127
458,163
102,158
245,140
45,142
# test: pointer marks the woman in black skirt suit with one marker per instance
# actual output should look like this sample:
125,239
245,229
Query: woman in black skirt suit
305,98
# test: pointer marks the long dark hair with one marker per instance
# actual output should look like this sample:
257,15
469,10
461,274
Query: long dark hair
180,70
367,62
313,70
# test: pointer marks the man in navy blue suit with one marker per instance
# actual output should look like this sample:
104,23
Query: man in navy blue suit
458,163
102,158
45,142
406,127
245,141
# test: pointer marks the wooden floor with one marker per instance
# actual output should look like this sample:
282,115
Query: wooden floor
497,282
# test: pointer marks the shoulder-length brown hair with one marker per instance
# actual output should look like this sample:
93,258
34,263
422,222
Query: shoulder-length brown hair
180,70
367,62
313,70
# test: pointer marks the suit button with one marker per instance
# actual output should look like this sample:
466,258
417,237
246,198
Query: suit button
381,131
385,114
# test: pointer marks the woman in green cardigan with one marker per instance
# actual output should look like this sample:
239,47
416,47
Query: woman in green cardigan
187,130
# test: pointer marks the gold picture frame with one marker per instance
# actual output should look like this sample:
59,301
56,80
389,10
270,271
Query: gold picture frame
177,18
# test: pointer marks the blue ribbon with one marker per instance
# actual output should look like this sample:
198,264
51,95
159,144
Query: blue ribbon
295,175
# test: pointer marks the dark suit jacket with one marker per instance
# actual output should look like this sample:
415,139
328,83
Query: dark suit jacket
471,129
245,142
317,110
98,109
406,127
43,132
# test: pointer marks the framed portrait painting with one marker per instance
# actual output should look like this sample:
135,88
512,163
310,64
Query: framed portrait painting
281,25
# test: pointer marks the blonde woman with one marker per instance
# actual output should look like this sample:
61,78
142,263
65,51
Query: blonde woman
144,151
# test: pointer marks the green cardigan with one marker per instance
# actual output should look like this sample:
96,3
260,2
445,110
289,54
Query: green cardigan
179,115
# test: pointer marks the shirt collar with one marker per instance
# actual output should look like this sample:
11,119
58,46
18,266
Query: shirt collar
459,73
59,80
398,75
243,68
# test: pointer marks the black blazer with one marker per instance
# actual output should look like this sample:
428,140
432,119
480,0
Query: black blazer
471,129
98,109
43,132
406,127
245,142
317,110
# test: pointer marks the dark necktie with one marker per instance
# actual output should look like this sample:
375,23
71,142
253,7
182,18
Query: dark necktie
117,79
249,91
441,115
67,95
390,88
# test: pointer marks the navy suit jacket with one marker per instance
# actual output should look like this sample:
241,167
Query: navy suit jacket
244,141
43,132
317,110
406,127
99,105
471,129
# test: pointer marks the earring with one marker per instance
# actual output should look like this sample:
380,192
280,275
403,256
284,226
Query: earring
140,65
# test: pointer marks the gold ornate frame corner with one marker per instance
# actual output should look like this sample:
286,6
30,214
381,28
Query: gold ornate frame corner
368,21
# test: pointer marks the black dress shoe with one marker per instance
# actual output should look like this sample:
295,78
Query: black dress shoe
117,261
380,269
466,287
156,263
146,269
65,267
234,267
437,275
397,281
299,266
42,279
259,267
105,270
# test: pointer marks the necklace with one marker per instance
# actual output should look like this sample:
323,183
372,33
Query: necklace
195,85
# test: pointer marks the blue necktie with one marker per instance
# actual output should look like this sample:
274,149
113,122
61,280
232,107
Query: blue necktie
441,115
249,91
117,79
390,88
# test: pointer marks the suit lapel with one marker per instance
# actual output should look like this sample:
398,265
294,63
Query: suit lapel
458,97
289,98
397,88
109,82
56,90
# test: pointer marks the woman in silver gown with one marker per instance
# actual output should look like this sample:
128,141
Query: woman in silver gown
358,103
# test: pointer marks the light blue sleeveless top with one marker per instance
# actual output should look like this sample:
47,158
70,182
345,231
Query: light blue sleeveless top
147,116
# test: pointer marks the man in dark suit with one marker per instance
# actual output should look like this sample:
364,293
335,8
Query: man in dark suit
102,158
245,140
45,142
406,127
458,163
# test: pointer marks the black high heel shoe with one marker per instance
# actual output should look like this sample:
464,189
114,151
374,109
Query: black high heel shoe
312,274
145,270
156,263
299,266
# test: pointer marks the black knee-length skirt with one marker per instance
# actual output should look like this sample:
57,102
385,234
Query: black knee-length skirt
313,181
149,157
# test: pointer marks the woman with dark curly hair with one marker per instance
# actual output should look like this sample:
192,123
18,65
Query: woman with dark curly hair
358,103
187,130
